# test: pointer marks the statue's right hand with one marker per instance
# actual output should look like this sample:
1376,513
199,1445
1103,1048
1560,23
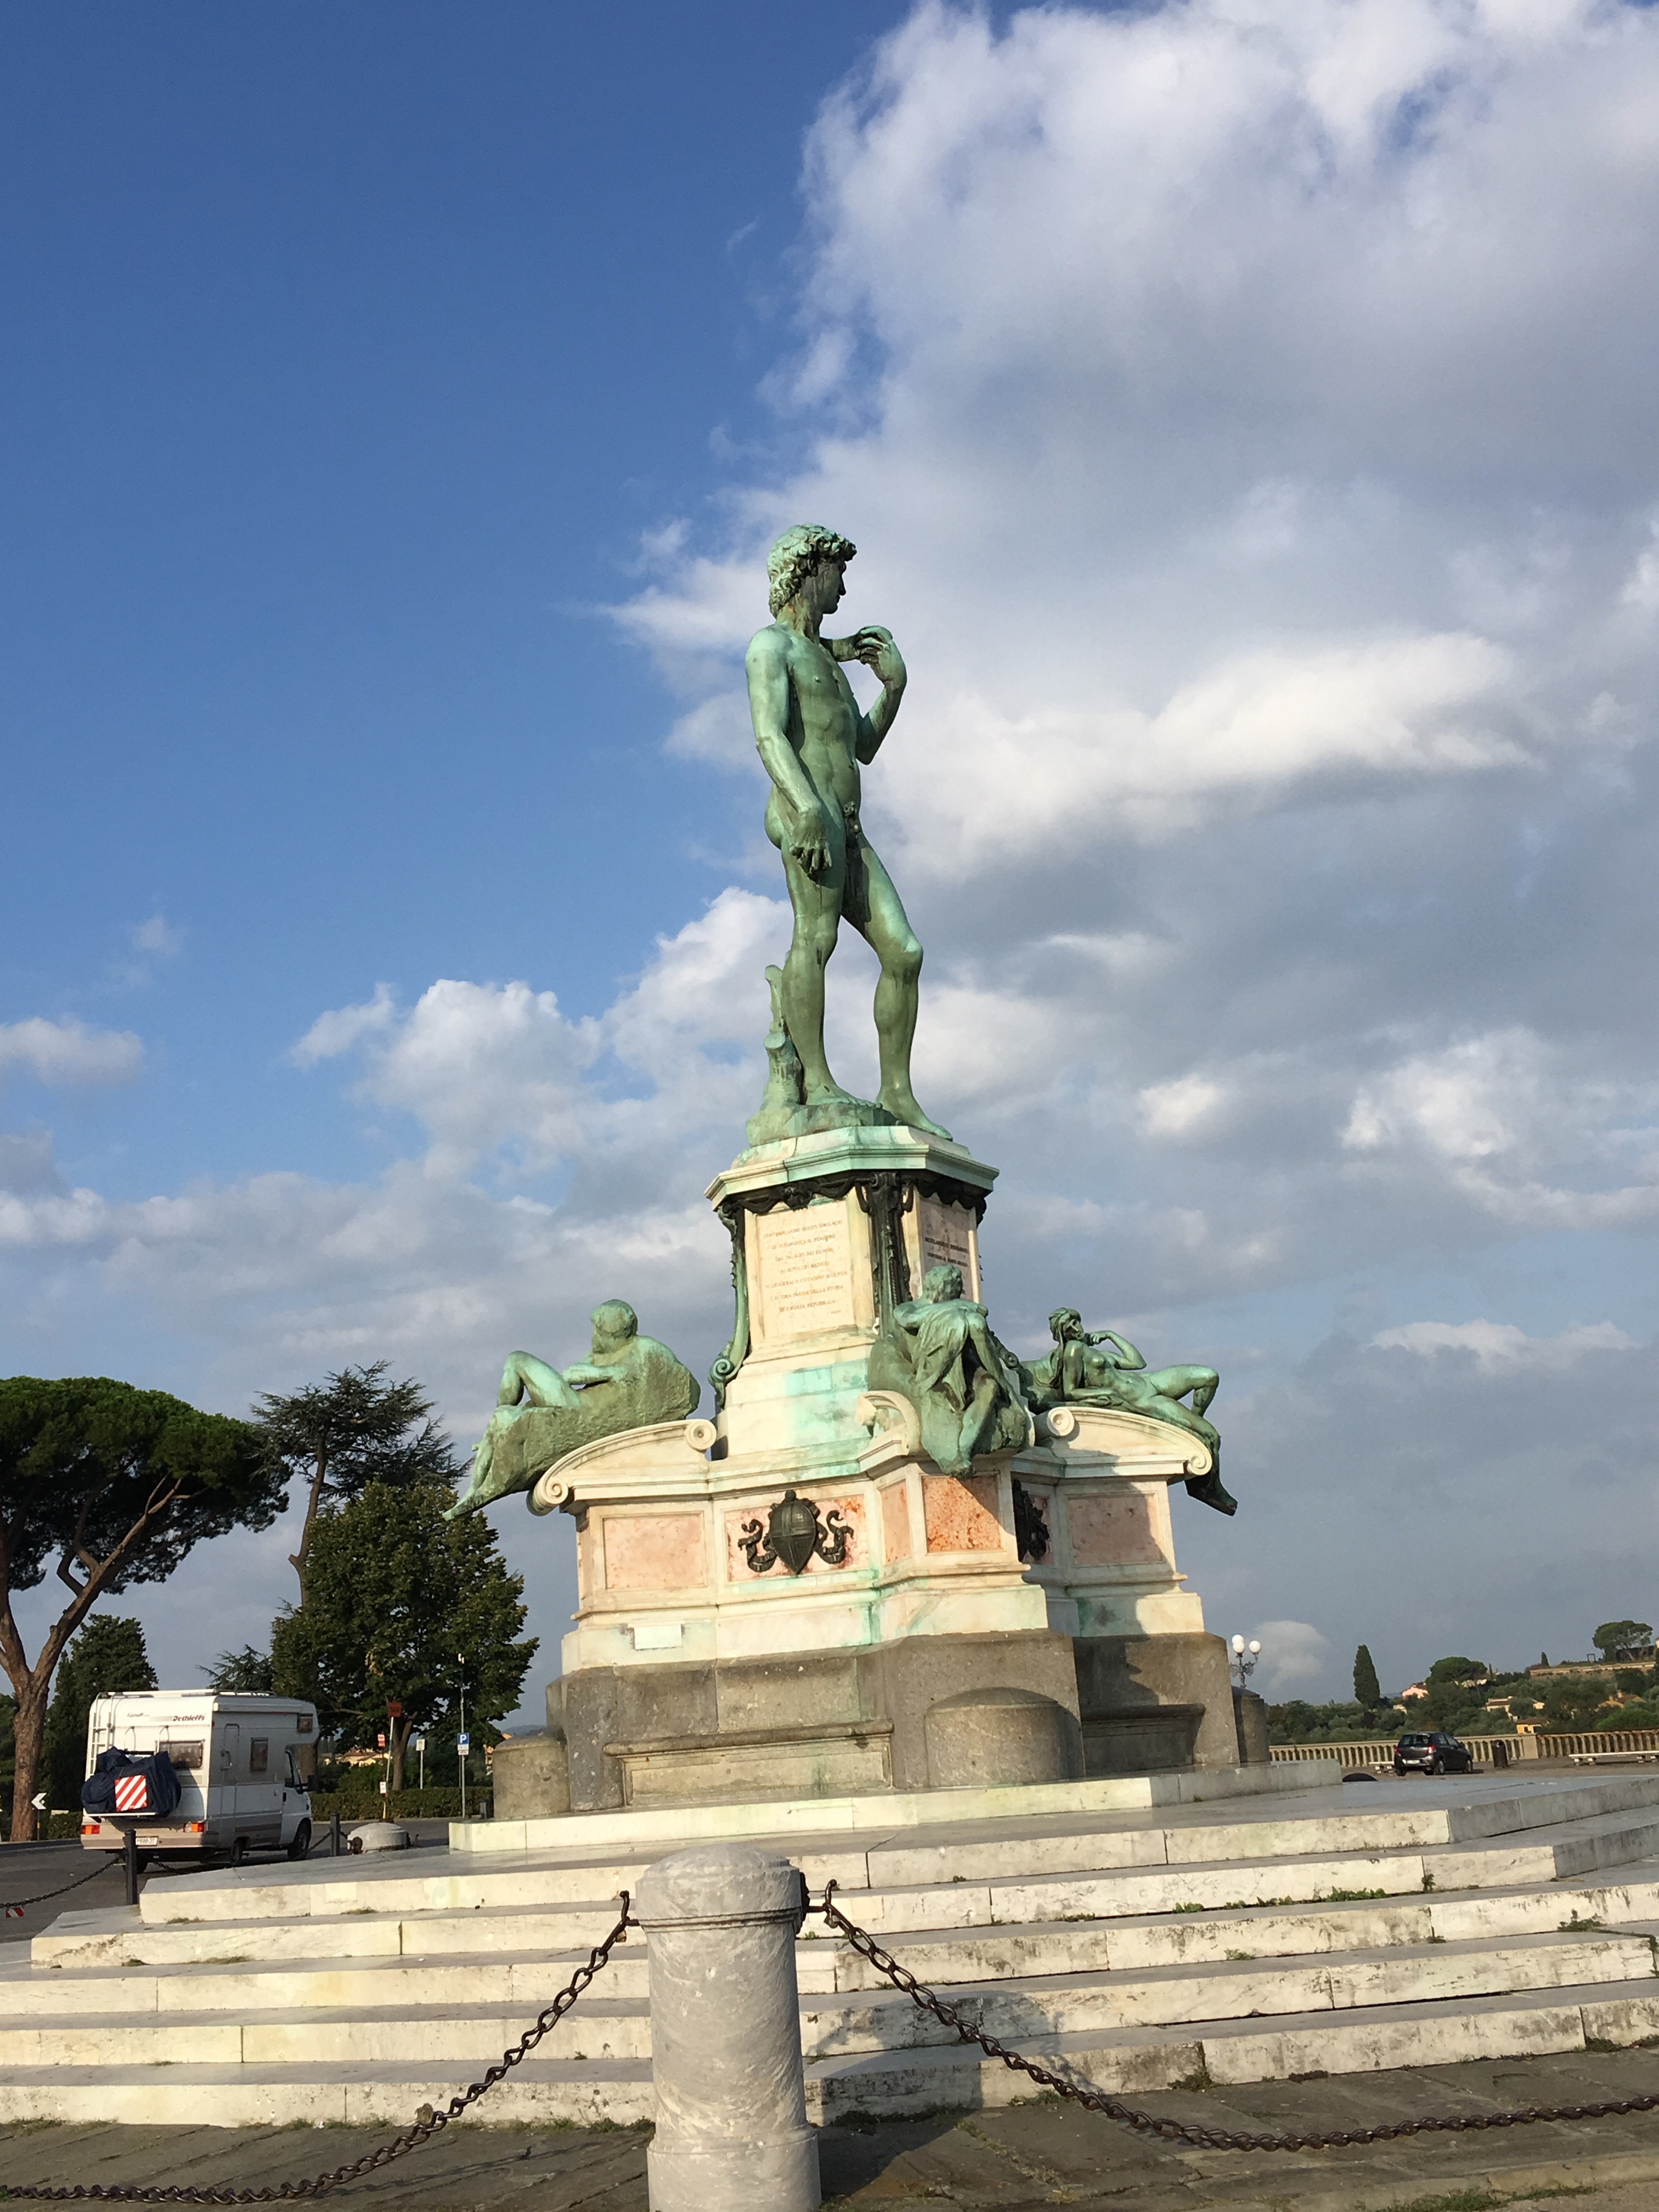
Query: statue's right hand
810,846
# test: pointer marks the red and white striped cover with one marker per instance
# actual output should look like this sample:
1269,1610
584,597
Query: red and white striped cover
132,1793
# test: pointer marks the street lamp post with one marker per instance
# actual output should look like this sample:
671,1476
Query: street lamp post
1244,1658
462,1741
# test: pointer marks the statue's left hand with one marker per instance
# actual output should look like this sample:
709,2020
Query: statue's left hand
874,647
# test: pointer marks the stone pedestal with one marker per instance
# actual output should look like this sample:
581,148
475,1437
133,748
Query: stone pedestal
707,1665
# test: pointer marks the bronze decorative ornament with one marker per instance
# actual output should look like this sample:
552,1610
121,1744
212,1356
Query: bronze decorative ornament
795,1533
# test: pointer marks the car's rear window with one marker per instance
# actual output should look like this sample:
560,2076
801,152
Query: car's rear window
1413,1742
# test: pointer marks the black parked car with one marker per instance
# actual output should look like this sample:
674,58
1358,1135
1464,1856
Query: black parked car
1430,1752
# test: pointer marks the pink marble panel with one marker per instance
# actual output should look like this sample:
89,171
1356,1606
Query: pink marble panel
1115,1528
590,1555
851,1510
961,1513
654,1551
895,1522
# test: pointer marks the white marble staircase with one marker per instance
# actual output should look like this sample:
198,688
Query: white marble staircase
1382,1924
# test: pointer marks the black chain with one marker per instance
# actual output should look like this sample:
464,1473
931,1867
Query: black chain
15,1906
1147,2124
427,2122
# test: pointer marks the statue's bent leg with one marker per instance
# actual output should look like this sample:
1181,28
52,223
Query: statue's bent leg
979,1418
526,1380
480,1490
1176,1382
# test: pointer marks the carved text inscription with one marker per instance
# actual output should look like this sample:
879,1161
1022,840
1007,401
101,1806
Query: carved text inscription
944,1235
806,1271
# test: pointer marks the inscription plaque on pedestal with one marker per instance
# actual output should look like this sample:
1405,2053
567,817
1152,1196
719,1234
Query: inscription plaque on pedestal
944,1236
806,1271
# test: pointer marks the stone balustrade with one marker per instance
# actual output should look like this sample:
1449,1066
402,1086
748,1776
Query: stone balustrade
1589,1743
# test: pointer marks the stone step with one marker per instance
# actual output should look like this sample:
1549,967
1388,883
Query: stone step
117,1935
1407,1816
366,2014
360,2018
958,1955
1135,2061
116,1940
1127,2062
1546,1854
358,2094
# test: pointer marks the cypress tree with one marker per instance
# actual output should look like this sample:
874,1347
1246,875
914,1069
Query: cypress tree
1366,1687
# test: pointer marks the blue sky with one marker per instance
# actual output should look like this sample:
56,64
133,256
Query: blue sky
1246,420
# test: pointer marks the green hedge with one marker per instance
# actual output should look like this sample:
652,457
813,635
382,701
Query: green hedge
429,1804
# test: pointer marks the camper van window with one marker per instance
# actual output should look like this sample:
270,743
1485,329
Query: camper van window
294,1779
184,1754
303,1723
259,1755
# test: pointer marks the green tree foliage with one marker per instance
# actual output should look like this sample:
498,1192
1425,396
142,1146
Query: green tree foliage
1574,1701
1614,1638
111,1486
108,1654
401,1604
1366,1687
338,1436
1297,1722
1456,1692
246,1669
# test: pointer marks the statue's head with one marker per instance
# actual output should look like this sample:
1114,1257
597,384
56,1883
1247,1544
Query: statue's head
615,1321
941,1284
1064,1323
800,551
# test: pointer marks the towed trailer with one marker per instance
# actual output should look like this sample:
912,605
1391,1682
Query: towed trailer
245,1764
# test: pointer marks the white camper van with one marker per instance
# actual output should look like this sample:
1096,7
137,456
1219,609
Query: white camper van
245,1761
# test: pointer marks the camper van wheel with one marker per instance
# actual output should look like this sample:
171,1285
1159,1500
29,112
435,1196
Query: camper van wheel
238,1851
301,1846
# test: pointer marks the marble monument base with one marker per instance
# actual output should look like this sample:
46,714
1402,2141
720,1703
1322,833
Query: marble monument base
794,1601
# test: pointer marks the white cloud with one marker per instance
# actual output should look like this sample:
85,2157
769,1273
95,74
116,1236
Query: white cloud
69,1051
1500,1344
159,935
1295,1657
1505,1114
336,1032
1171,1109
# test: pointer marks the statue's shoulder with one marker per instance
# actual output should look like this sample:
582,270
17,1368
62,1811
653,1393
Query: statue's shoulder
664,1380
772,647
651,1351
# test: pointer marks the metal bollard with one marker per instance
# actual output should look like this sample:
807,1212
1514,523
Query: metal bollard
334,1835
732,2128
129,1861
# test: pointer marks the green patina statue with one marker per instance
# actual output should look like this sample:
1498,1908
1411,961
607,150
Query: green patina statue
813,740
965,1385
1081,1371
631,1382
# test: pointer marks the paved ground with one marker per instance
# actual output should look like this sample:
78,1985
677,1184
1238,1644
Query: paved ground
1008,2160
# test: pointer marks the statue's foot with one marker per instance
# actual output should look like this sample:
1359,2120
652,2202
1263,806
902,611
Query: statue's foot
901,1105
830,1094
1207,1489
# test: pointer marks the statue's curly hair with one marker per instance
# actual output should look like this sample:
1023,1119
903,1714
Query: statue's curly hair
800,549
